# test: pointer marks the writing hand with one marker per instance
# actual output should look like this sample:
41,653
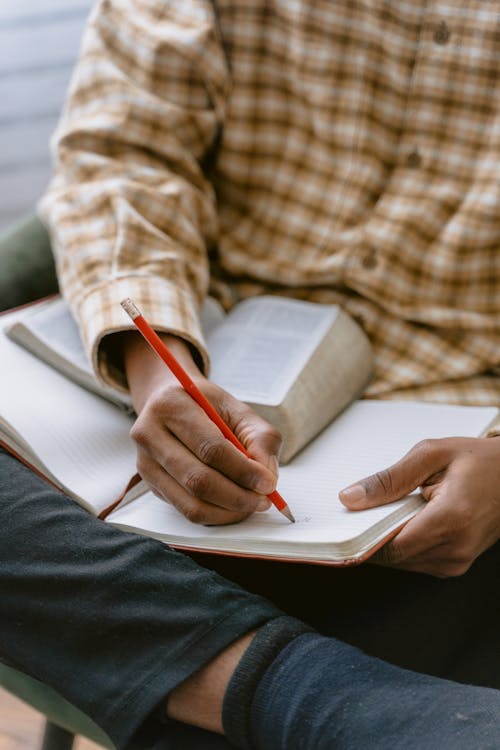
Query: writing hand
182,455
460,480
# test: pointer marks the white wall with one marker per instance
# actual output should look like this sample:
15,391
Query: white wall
39,42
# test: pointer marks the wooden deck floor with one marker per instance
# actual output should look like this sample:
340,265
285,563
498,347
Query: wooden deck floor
21,727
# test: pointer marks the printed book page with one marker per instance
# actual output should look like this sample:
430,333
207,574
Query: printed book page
52,324
263,345
367,437
49,331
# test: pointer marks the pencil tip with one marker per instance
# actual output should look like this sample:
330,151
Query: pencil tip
288,513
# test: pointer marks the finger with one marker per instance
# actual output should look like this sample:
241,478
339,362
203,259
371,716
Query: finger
428,564
204,439
178,414
451,558
261,439
424,532
440,561
195,510
197,479
436,566
424,460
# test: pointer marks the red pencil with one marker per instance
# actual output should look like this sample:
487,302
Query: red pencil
166,355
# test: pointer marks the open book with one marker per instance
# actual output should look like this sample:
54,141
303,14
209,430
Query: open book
298,364
81,443
49,331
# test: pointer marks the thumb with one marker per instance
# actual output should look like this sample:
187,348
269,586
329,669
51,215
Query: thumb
411,471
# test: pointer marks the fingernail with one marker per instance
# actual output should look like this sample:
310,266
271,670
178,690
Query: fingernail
353,494
263,504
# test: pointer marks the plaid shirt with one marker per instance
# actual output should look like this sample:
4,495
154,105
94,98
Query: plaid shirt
344,152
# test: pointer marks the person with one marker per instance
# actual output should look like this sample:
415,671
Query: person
339,152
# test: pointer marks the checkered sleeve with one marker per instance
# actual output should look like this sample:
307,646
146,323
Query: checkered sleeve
129,208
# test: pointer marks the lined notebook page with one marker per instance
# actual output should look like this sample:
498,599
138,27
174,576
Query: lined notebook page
79,437
367,437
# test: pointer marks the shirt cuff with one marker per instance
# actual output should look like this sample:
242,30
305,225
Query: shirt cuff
267,643
165,306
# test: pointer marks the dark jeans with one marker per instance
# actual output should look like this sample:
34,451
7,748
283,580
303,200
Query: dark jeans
114,621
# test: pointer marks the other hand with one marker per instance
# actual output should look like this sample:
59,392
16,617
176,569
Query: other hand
182,455
460,480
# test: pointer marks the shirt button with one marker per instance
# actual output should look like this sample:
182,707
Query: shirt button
413,160
442,33
370,260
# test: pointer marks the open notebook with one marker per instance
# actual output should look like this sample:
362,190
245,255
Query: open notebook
367,437
81,443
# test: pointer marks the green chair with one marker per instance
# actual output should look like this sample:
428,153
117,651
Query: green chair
27,269
27,273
